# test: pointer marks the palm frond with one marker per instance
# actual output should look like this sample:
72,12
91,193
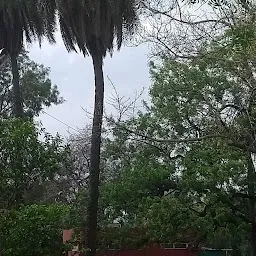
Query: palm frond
96,25
26,20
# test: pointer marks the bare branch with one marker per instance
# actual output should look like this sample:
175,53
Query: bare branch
167,140
190,23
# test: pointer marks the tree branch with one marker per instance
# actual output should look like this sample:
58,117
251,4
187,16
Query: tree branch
211,136
190,23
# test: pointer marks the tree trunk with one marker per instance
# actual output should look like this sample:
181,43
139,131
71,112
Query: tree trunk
92,208
17,98
253,239
251,208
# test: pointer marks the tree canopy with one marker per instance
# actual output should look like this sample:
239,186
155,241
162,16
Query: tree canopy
37,89
33,230
199,128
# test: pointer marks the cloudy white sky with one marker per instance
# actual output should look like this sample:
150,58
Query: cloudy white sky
73,74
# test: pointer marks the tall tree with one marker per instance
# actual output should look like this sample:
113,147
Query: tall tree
203,109
93,26
32,19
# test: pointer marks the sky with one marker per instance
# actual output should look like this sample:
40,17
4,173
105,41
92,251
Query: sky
73,74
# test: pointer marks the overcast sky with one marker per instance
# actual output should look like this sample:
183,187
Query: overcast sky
73,74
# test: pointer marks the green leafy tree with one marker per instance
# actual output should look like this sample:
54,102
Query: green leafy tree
202,114
212,97
26,160
149,193
209,100
37,89
33,230
189,197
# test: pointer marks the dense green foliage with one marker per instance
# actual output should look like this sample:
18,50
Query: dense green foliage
33,230
26,160
28,164
194,145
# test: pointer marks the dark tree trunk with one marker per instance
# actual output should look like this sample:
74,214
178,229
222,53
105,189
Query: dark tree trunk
253,239
92,208
251,193
17,98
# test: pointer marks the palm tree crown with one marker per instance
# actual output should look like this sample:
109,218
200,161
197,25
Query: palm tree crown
33,18
93,25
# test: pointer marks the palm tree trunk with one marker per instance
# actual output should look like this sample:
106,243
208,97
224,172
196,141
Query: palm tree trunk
18,107
92,208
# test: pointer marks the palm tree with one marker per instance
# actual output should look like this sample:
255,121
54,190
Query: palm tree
94,26
24,20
